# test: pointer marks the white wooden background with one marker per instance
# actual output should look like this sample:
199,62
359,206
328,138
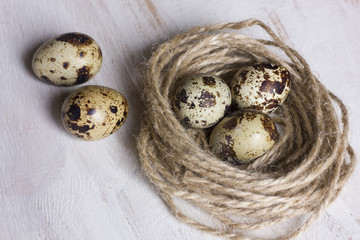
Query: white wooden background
53,186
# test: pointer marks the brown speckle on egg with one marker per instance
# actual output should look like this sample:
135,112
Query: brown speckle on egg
269,127
272,103
83,74
207,99
65,65
227,151
242,76
113,109
76,39
271,86
73,112
208,80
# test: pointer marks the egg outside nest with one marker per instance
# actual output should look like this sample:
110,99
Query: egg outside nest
94,112
68,59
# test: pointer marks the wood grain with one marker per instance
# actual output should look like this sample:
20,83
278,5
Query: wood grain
53,186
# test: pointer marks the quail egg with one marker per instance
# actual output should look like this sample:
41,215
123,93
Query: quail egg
262,87
94,112
68,59
243,136
202,100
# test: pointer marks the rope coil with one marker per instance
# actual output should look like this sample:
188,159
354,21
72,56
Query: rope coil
302,174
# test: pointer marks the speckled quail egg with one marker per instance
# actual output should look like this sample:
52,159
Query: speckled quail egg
262,87
202,100
68,59
243,136
94,112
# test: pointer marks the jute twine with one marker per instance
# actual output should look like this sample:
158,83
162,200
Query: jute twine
300,176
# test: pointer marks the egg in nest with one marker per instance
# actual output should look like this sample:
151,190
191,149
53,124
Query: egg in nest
262,87
202,100
243,136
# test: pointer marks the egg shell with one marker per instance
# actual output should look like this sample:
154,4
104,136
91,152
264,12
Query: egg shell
243,136
94,112
263,87
68,59
202,100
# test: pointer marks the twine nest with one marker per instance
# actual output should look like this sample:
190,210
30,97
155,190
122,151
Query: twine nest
300,176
